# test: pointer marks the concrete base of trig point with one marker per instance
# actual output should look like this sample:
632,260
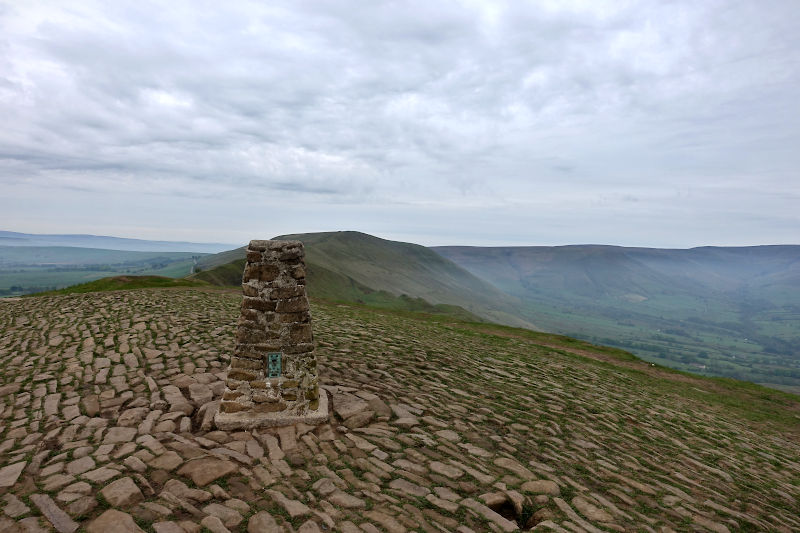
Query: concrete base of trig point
272,380
244,420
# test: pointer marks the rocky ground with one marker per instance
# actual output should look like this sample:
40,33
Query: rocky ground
106,403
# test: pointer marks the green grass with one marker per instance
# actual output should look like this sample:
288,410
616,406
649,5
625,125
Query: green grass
117,283
224,275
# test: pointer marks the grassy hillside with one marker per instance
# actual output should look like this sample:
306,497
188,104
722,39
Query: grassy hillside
118,283
29,269
719,311
355,267
335,287
207,262
435,424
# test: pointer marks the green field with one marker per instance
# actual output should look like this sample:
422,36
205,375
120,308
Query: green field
26,270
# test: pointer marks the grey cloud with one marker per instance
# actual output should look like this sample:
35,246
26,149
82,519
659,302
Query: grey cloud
418,105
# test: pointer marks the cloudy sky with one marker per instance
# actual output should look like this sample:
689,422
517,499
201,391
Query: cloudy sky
654,123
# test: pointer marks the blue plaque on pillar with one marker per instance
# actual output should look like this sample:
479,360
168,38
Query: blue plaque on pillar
274,365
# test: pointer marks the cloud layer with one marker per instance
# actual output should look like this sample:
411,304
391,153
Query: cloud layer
647,123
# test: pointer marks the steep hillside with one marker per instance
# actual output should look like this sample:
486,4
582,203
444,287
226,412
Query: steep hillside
355,267
723,311
106,401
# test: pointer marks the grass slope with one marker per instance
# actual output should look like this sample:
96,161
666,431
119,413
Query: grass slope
117,283
335,287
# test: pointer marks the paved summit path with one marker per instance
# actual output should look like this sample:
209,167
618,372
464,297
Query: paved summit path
107,399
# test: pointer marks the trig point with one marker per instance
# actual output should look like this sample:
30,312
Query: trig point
272,380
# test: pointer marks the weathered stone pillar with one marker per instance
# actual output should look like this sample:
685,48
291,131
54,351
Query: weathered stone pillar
272,380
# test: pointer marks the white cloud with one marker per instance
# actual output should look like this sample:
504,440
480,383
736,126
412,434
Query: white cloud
553,115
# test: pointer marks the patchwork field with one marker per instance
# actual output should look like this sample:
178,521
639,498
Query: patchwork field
106,402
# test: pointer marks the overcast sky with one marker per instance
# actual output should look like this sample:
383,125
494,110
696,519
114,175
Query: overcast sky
652,123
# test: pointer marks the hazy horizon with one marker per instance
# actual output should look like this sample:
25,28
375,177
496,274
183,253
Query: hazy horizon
454,123
235,245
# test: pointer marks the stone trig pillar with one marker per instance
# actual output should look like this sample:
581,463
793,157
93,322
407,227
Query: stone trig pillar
272,380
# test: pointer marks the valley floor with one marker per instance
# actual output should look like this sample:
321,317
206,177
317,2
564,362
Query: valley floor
106,401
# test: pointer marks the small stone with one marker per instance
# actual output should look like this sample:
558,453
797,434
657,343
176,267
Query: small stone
591,511
32,524
239,505
9,474
205,470
180,490
14,506
200,394
406,422
101,475
450,435
132,417
79,466
82,506
446,470
230,517
214,524
262,522
190,527
253,449
309,526
166,461
116,435
286,434
122,493
295,508
349,408
113,521
409,488
56,482
157,508
541,486
60,520
359,419
324,486
135,464
91,405
167,527
348,501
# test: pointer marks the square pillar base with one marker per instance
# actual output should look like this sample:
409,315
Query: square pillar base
249,420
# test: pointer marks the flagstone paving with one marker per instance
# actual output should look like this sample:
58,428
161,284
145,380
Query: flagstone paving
107,400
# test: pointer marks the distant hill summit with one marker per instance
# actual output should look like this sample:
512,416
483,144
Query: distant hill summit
356,267
11,238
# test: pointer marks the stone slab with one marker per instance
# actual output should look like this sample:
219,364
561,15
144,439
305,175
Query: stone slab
247,420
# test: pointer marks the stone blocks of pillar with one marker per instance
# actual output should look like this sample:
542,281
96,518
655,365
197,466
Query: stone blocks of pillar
272,379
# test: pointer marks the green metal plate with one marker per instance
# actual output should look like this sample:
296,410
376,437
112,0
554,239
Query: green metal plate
274,364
